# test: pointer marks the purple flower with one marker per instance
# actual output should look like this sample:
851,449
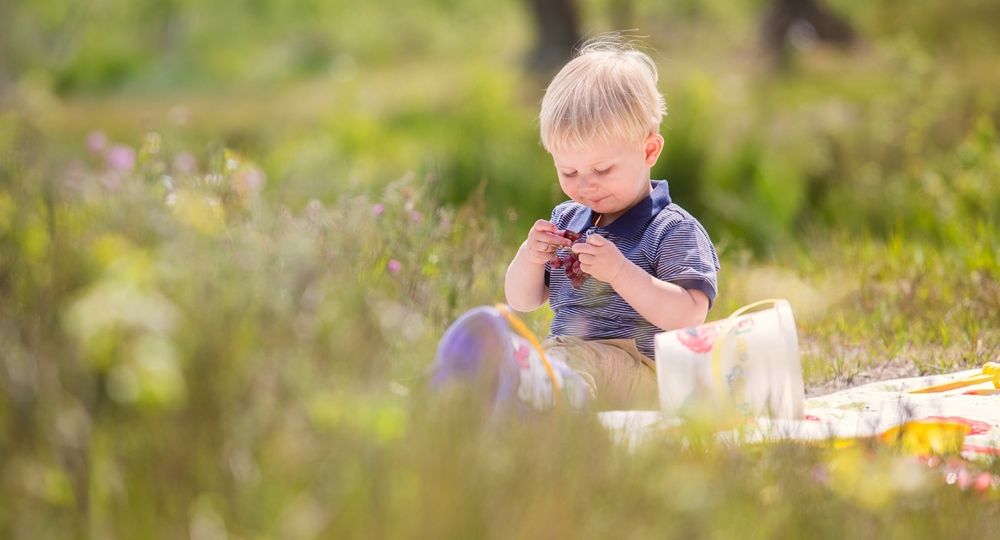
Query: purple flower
394,266
185,163
96,141
120,158
415,216
378,208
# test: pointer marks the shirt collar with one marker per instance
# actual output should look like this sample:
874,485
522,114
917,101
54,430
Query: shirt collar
634,219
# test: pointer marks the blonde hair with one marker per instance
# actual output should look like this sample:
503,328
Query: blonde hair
606,93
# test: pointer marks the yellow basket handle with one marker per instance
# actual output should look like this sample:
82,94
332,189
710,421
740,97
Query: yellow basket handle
729,324
526,333
989,373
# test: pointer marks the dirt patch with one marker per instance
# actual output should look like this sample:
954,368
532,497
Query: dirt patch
896,368
849,366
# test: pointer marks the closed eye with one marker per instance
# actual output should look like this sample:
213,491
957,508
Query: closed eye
602,172
568,175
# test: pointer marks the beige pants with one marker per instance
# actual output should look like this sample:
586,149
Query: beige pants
619,376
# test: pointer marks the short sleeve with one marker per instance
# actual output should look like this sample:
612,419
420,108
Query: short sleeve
562,214
686,257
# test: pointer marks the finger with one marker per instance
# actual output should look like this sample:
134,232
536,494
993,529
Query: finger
552,236
582,248
556,239
596,240
545,226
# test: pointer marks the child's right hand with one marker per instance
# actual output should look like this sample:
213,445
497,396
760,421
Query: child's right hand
543,241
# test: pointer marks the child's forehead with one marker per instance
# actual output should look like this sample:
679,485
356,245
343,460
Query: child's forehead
590,155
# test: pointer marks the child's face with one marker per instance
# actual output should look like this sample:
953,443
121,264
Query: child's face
608,178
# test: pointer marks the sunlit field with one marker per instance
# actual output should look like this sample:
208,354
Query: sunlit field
227,255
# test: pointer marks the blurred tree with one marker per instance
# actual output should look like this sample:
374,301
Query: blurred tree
622,13
806,20
170,27
557,23
6,60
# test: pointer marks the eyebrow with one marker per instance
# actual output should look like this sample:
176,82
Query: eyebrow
607,163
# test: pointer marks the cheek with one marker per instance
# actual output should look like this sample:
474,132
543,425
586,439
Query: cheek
618,181
567,186
626,178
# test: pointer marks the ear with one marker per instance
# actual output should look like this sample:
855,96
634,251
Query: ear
652,148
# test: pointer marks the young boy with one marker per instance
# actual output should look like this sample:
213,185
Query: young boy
650,265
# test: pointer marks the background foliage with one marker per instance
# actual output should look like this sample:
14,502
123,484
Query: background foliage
231,235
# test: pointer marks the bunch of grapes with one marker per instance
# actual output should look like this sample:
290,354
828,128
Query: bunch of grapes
571,262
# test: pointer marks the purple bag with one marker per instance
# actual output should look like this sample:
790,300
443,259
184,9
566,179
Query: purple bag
493,344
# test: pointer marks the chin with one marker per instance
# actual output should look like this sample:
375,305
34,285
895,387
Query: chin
608,208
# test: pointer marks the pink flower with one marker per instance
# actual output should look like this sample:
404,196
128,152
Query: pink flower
120,158
255,180
394,266
821,474
378,208
75,172
983,482
96,141
111,182
250,180
185,163
415,216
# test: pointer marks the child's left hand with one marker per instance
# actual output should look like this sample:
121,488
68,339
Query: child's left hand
600,258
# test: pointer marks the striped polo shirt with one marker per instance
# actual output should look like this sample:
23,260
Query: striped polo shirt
655,234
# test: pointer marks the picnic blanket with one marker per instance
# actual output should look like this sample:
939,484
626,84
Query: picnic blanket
963,420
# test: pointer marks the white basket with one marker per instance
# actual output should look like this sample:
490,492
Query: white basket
748,363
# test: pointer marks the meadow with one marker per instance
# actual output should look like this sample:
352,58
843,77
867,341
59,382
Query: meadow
231,238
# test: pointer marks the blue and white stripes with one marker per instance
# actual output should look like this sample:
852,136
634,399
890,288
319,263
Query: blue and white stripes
658,236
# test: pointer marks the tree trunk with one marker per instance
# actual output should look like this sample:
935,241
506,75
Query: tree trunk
6,49
812,15
557,28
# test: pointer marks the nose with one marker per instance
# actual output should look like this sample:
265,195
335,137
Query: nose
587,185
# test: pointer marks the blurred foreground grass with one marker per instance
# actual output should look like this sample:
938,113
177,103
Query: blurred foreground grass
217,301
185,357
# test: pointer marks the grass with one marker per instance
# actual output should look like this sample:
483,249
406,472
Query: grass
263,374
901,308
184,354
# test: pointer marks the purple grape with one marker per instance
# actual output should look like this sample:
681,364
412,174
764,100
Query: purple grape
571,262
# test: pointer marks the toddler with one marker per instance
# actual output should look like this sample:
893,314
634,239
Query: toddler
647,265
639,265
